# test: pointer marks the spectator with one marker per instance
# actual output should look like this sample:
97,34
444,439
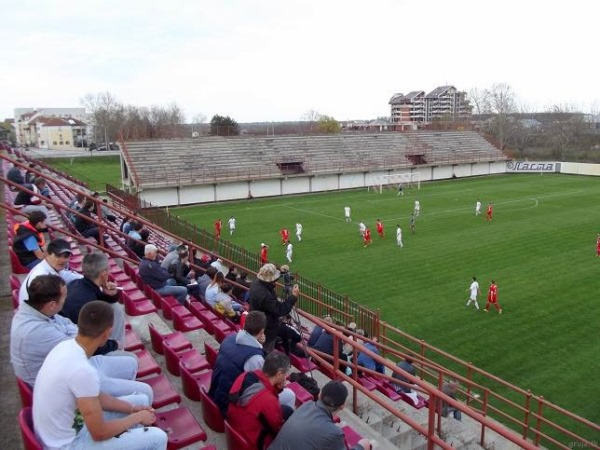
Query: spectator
290,337
312,427
126,224
95,286
367,361
450,389
407,366
240,291
134,232
205,280
263,298
28,243
139,246
15,175
29,175
287,278
220,266
241,352
254,407
231,274
158,278
225,304
73,384
213,289
76,203
317,330
37,328
172,255
325,344
55,262
84,223
29,202
182,273
106,212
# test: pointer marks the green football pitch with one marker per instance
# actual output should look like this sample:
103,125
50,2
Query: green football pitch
539,248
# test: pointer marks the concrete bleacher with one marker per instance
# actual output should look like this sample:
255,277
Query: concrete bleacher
214,159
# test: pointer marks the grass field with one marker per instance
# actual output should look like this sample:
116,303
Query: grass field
96,171
540,249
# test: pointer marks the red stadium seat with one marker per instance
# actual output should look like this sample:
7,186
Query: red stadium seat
181,426
302,395
25,392
177,341
211,413
191,382
15,283
192,359
30,440
146,364
132,341
235,441
211,354
184,320
164,392
17,267
137,307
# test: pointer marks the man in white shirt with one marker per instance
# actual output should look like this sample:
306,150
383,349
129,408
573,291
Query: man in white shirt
289,251
231,222
362,228
478,208
56,262
417,211
299,231
474,288
79,415
347,213
399,237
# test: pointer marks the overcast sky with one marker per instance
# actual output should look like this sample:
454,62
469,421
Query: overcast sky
263,60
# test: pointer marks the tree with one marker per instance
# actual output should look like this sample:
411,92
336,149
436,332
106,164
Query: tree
500,101
223,126
477,97
312,117
564,134
328,125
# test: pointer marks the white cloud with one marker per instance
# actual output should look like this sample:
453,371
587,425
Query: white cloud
273,60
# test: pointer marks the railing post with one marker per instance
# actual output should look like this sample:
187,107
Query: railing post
527,414
538,423
484,413
470,378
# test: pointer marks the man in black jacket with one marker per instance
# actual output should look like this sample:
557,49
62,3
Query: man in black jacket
95,286
263,298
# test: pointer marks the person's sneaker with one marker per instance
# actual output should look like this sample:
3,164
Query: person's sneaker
500,312
485,310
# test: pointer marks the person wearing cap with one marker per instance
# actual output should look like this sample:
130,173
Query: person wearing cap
262,297
312,427
158,278
56,262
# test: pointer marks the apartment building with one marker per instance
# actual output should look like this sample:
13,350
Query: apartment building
416,108
29,127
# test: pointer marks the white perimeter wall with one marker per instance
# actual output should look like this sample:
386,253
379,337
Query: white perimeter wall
580,169
311,183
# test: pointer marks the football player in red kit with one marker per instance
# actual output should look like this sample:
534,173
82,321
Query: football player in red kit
492,298
285,236
367,237
380,228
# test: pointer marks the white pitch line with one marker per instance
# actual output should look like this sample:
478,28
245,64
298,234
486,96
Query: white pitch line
307,211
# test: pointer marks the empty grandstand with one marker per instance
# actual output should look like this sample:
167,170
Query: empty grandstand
152,166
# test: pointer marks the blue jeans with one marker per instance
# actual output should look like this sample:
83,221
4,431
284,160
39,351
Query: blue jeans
170,288
136,438
117,371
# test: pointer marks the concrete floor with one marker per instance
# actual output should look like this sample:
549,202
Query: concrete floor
10,403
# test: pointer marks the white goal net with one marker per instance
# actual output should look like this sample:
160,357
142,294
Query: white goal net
396,182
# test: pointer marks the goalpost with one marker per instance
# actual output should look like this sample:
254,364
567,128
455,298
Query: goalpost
393,181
